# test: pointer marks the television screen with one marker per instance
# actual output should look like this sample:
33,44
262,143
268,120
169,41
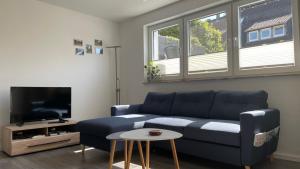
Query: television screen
39,103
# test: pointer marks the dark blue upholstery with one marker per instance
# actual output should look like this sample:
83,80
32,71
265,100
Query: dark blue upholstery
205,150
255,122
229,104
224,132
102,127
193,104
158,103
171,123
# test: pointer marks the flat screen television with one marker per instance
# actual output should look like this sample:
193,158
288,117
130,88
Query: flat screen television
30,104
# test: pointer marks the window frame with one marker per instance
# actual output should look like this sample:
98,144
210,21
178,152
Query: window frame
233,44
265,70
254,40
166,24
209,74
280,35
265,38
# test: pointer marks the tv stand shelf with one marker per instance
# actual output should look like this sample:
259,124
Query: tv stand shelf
38,137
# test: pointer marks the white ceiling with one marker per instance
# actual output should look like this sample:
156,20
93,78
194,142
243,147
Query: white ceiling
114,10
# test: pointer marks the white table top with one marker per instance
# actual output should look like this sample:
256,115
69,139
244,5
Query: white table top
115,136
143,135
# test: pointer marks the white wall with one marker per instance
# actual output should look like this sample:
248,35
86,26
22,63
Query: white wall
36,49
284,91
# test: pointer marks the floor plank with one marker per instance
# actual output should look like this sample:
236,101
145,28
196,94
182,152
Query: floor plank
71,158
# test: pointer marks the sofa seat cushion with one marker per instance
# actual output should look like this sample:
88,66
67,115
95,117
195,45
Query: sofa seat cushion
157,103
224,132
193,104
173,123
228,105
102,127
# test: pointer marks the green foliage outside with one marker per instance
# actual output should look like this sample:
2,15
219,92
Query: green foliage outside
203,34
207,36
170,32
153,71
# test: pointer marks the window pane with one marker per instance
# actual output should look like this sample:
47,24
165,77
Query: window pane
253,36
265,33
260,16
278,31
166,53
208,44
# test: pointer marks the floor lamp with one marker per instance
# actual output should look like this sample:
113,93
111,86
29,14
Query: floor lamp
118,90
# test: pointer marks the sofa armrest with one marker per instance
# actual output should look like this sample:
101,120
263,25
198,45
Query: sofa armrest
118,110
253,123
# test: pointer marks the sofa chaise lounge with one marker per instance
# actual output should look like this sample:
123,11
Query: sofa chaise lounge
234,127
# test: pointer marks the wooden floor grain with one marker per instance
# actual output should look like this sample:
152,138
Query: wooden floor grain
71,158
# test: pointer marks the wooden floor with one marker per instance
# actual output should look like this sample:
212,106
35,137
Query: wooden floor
70,158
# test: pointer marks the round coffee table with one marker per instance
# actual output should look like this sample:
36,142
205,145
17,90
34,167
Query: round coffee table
140,135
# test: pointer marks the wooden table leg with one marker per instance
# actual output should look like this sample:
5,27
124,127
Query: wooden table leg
147,154
141,154
129,154
174,154
112,153
247,167
125,154
271,158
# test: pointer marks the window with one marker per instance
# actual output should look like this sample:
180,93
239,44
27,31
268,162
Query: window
253,36
166,48
265,54
207,43
240,38
279,31
265,33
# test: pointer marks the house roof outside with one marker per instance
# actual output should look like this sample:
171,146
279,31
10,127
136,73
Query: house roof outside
269,23
265,14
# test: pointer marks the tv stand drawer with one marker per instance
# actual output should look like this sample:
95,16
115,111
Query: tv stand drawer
25,146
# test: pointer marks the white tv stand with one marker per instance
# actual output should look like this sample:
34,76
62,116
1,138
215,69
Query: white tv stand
31,138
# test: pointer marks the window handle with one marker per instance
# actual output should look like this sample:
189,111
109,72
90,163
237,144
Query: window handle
235,42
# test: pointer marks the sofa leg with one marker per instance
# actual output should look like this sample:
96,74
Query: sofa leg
82,149
271,157
247,167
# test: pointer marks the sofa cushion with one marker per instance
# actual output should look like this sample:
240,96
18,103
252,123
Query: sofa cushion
170,123
193,104
104,126
229,104
224,132
158,103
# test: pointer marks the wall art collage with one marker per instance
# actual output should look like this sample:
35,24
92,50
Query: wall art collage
88,48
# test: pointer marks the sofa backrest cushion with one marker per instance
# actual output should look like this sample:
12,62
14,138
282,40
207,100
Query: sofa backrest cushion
193,104
158,103
229,104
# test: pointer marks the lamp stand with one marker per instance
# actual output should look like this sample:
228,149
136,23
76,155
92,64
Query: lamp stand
118,90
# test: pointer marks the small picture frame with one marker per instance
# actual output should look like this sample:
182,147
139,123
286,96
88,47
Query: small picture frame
89,49
98,42
77,42
99,51
79,51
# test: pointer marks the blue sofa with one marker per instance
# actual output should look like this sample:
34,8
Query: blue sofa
234,127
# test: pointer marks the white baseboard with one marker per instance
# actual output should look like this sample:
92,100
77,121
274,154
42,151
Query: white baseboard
288,157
